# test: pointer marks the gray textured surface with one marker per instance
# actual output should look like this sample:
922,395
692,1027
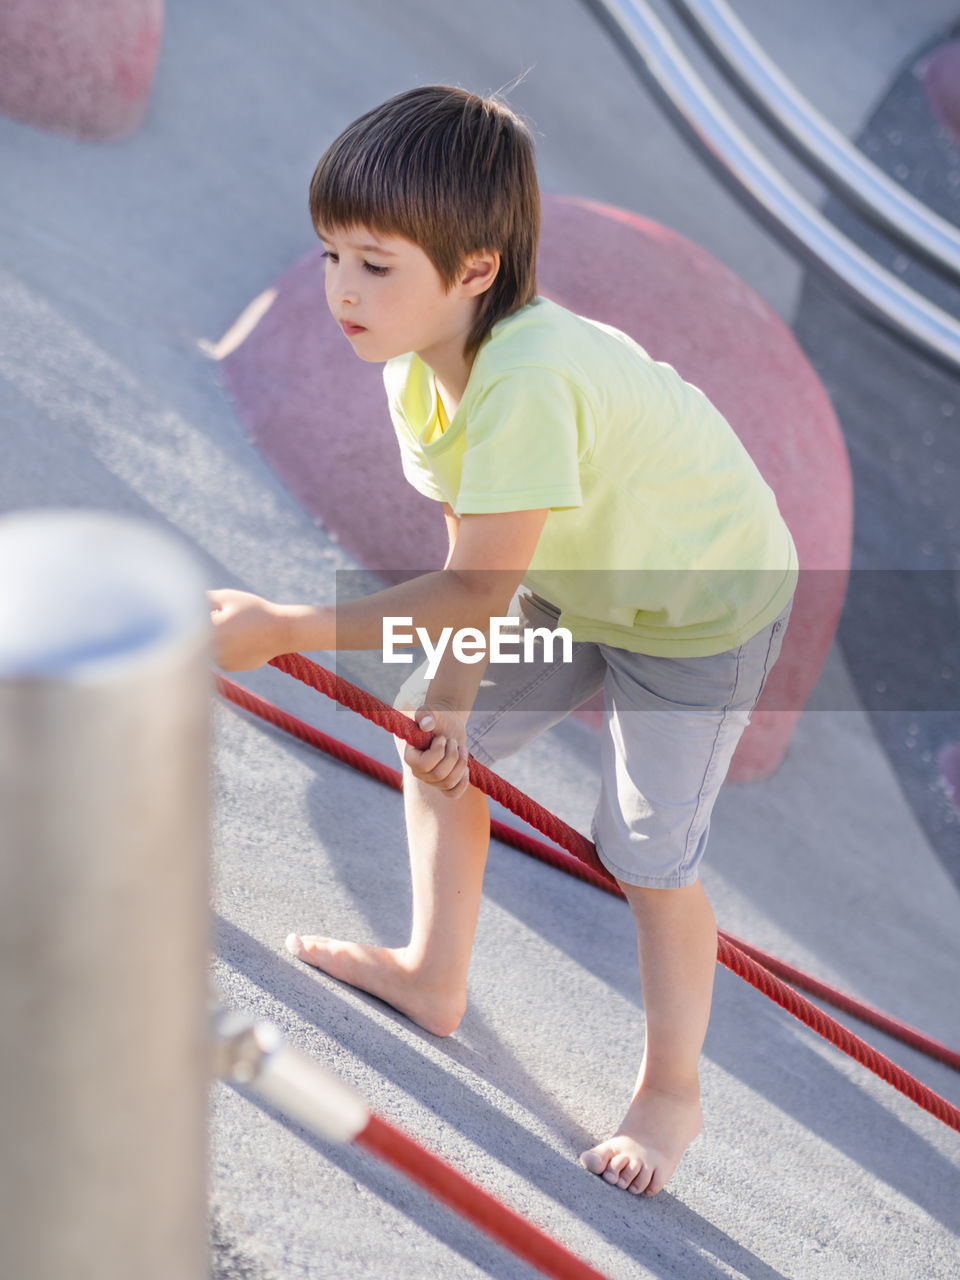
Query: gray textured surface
900,415
114,263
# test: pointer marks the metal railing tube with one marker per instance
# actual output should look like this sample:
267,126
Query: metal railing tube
648,46
841,165
104,938
254,1053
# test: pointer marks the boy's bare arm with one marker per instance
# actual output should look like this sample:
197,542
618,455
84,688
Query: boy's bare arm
493,553
487,559
481,546
453,526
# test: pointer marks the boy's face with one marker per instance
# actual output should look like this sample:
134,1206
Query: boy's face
388,297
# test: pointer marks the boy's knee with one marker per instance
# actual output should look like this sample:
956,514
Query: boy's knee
646,898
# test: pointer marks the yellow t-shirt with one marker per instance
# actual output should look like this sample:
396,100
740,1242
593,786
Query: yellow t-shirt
438,421
662,536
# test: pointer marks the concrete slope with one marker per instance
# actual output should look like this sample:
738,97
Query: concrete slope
116,262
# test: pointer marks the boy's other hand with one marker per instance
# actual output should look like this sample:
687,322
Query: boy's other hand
248,630
445,762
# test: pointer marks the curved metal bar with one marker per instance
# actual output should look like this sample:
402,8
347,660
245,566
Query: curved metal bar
648,47
841,165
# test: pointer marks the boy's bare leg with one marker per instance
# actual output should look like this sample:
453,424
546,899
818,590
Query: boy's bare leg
677,939
426,979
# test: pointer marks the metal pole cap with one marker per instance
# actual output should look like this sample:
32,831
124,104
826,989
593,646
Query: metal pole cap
87,595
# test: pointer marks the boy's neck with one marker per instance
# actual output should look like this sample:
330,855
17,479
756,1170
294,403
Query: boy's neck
451,373
447,361
448,397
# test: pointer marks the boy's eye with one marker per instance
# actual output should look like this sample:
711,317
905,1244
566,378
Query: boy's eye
372,267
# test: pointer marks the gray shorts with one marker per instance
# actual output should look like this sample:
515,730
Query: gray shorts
670,728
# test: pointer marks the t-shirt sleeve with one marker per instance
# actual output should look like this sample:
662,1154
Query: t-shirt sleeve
417,472
523,445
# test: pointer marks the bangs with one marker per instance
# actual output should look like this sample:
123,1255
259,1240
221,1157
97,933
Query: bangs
350,190
386,180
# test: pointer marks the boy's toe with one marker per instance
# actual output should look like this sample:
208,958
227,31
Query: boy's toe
596,1159
630,1173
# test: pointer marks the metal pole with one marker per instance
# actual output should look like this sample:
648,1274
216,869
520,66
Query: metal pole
254,1054
647,45
814,140
104,698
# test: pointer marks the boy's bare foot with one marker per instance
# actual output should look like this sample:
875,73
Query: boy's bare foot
388,974
653,1135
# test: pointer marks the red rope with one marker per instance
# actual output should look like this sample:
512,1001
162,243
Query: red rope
849,1004
478,1206
837,1034
746,961
371,708
587,867
394,778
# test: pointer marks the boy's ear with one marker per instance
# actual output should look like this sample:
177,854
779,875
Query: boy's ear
479,272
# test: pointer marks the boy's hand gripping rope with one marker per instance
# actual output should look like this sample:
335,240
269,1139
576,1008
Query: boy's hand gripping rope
748,962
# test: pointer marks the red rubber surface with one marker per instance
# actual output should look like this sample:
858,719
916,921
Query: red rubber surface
942,83
950,768
80,67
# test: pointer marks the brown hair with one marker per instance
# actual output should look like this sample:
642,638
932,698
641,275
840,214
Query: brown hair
450,171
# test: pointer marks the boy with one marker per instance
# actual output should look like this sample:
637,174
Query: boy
570,462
